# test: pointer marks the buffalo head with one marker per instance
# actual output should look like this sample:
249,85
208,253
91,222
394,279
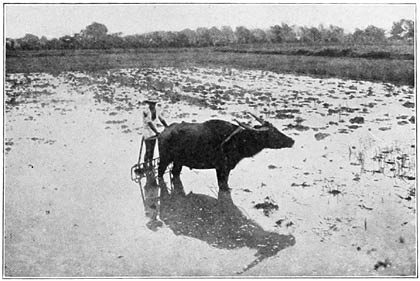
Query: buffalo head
269,135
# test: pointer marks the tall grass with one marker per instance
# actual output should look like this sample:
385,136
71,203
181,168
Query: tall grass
385,70
385,51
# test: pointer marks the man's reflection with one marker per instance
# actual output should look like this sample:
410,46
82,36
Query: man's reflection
151,202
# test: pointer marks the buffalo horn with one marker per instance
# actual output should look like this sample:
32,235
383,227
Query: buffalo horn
249,127
257,118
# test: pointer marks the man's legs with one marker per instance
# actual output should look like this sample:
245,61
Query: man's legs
150,148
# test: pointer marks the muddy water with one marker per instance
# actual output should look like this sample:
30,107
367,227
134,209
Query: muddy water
346,200
216,221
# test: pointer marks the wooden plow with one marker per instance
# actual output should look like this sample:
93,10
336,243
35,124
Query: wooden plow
142,170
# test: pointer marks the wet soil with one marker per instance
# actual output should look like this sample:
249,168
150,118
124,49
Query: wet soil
342,201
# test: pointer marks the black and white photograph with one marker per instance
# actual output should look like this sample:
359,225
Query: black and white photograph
209,140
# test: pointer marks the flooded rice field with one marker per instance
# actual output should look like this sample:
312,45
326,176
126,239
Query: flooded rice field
340,202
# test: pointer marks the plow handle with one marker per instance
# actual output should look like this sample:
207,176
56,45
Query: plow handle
141,148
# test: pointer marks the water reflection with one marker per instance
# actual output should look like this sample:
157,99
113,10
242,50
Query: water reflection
218,222
151,202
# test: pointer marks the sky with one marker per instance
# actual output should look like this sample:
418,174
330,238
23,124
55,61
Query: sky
54,21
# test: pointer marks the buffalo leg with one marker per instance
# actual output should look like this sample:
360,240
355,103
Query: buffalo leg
222,178
163,189
176,170
163,164
176,180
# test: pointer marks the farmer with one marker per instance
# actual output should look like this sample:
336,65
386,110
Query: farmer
150,132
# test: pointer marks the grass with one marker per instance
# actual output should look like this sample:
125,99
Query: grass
385,51
396,71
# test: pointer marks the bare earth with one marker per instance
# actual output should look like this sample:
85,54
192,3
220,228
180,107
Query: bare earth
341,202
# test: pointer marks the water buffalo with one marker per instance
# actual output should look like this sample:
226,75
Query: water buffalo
215,144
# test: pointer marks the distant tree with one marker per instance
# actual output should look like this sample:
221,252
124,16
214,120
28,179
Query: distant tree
94,36
409,27
358,36
43,42
283,33
79,41
203,37
10,44
216,37
30,38
53,44
309,35
153,39
274,34
190,35
375,34
259,35
228,34
136,41
95,31
115,40
324,34
169,39
29,42
335,34
331,34
180,40
68,42
243,35
403,30
370,34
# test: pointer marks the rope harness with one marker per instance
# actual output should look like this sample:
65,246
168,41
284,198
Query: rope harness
237,130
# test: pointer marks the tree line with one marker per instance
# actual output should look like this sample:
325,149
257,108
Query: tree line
96,36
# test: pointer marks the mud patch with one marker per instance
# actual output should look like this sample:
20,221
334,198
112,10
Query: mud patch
321,136
268,206
386,263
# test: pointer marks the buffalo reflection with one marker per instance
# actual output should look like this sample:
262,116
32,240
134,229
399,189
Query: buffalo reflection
218,222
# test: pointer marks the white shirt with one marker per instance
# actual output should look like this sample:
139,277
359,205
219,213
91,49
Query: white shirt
147,117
